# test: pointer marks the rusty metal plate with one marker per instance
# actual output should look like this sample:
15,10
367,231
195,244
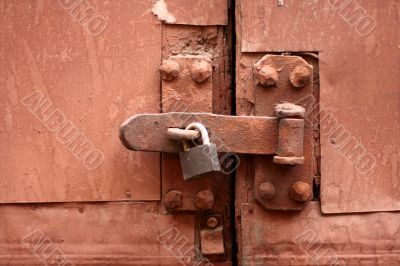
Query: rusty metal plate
94,234
310,238
282,177
148,132
183,93
87,75
201,12
359,97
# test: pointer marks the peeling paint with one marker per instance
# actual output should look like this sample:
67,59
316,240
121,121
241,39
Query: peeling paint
161,11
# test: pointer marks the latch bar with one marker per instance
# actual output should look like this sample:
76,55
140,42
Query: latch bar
238,134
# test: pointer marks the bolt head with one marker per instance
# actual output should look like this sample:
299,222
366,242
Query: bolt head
300,191
169,70
212,222
173,199
300,76
266,190
204,200
267,76
201,70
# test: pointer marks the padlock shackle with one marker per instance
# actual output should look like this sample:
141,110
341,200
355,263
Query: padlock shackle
203,131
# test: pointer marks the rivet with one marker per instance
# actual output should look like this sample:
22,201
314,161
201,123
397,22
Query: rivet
300,76
173,199
212,222
200,70
169,70
128,194
204,200
267,76
300,191
266,190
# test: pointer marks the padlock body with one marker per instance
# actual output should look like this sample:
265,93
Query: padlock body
199,160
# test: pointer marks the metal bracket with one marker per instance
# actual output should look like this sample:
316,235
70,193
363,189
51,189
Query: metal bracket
235,134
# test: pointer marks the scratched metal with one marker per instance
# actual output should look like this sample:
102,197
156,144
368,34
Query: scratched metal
311,238
95,81
94,234
359,96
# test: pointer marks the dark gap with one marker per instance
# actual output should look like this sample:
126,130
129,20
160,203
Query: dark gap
232,40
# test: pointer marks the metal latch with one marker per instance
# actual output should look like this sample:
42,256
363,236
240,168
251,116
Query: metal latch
281,136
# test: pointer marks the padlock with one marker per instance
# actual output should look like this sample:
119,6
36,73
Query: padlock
201,159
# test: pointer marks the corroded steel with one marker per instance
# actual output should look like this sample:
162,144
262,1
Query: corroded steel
311,238
359,106
85,85
148,132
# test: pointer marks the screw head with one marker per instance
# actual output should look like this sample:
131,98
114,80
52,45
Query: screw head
300,76
267,76
300,191
267,190
173,199
169,70
212,222
201,70
204,200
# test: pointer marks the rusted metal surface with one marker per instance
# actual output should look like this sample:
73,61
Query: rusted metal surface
359,145
202,12
212,242
94,234
185,93
310,238
205,41
299,142
89,82
148,132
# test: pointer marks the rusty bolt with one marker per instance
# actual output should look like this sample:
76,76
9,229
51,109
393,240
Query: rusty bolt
266,190
128,194
204,200
81,209
169,70
300,76
212,222
300,191
173,199
201,71
267,76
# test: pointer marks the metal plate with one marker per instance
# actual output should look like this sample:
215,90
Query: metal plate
359,98
94,80
94,234
282,176
310,238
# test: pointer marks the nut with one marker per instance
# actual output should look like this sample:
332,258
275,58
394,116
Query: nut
300,76
266,190
300,191
212,222
173,199
204,200
169,70
200,70
267,76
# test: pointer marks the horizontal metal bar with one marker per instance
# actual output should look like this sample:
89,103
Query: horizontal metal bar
238,134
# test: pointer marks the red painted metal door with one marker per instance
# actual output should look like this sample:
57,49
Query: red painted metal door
305,92
353,112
